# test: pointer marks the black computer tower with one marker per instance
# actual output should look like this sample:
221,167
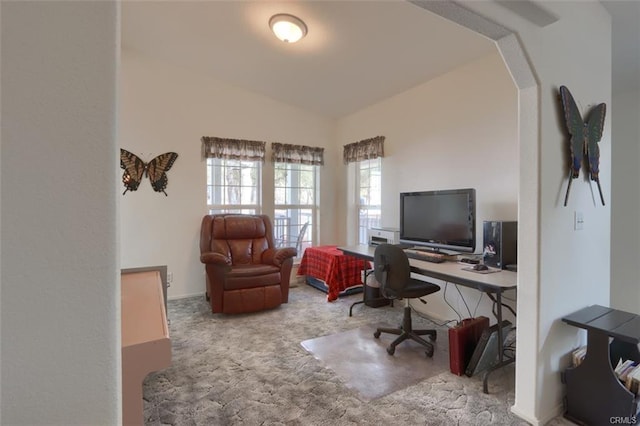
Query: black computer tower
500,243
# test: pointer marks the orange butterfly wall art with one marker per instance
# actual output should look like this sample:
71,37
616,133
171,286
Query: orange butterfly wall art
156,169
584,138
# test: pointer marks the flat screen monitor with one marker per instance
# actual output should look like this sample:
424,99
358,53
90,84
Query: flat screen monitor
439,220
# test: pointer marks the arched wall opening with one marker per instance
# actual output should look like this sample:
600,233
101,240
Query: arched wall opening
523,76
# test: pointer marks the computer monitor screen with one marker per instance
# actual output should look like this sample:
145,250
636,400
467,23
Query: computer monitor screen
439,220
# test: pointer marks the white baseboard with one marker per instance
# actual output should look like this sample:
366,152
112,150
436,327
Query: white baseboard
186,296
558,410
534,421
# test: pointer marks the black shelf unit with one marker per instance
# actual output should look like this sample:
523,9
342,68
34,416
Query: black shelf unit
594,393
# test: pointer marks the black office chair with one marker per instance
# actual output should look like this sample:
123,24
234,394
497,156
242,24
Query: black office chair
393,272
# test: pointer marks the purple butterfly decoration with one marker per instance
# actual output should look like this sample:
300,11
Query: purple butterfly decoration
585,136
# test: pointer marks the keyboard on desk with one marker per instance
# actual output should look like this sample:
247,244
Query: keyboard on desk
426,256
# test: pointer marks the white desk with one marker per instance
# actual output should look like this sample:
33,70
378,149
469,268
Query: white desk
493,284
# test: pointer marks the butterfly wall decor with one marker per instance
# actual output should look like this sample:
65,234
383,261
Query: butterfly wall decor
135,169
584,139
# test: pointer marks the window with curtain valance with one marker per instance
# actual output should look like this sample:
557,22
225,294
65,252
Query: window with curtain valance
234,174
297,154
296,175
366,149
233,149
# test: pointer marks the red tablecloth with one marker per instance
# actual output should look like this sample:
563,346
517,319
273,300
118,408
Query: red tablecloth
338,270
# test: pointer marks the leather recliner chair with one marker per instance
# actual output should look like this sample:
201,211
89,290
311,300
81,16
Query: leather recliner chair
245,271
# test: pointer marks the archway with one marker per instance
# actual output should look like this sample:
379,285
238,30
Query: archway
516,62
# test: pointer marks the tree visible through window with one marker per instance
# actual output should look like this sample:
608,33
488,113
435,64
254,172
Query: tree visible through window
369,183
233,186
296,204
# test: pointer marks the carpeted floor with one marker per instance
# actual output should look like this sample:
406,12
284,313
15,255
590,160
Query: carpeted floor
252,370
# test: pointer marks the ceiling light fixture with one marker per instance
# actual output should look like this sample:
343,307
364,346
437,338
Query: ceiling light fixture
287,28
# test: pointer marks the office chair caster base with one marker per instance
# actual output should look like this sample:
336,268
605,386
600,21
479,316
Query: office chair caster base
376,334
429,352
391,350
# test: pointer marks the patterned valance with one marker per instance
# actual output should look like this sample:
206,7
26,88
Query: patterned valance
298,154
232,149
366,149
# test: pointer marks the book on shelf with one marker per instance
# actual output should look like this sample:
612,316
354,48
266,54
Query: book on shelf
633,381
627,371
623,369
578,355
486,353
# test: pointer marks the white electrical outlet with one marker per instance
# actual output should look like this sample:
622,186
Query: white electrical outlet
578,221
170,277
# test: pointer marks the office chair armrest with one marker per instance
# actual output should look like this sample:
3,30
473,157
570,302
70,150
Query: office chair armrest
277,256
215,258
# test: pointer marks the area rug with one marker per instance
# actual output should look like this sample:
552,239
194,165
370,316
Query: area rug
363,364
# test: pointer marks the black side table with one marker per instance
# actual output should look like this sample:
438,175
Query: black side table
594,393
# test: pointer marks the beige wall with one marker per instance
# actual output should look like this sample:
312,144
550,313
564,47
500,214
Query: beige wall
60,286
625,201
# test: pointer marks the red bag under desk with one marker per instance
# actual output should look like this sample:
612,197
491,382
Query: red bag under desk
463,339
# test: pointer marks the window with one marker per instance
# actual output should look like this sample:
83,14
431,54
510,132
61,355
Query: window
296,177
367,155
234,174
296,204
369,184
233,186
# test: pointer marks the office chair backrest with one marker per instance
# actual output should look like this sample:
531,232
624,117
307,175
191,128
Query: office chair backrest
392,269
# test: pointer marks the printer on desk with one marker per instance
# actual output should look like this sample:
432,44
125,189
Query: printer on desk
376,236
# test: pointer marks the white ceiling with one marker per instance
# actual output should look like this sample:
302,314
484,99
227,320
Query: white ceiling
355,53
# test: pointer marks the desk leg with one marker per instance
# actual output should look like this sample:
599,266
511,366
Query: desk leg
501,358
354,304
485,384
383,301
364,291
500,336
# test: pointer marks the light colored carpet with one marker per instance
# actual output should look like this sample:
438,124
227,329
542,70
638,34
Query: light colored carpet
252,370
363,364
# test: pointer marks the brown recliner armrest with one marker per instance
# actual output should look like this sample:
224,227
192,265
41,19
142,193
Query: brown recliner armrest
215,258
276,256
